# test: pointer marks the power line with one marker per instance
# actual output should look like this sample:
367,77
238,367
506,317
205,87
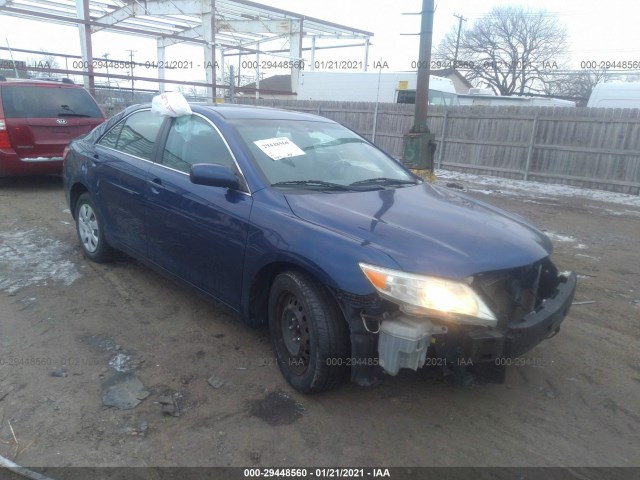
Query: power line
543,13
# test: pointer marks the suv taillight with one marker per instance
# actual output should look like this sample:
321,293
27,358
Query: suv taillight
4,135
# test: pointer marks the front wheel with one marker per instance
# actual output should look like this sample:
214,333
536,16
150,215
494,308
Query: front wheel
309,336
90,231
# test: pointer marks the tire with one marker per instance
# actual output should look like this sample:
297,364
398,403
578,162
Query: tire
309,336
90,231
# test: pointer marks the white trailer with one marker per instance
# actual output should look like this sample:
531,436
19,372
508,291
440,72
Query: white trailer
496,100
615,95
384,87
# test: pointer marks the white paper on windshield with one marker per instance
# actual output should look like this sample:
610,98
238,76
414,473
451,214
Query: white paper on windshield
279,148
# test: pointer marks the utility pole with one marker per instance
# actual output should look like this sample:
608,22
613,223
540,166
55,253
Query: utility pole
106,57
419,143
460,20
214,64
131,52
232,84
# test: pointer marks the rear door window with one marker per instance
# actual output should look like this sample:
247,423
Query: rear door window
40,101
135,135
111,138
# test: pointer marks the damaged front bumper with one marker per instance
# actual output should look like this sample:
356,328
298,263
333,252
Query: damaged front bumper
523,334
475,350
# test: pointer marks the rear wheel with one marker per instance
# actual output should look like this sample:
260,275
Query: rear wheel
309,336
90,231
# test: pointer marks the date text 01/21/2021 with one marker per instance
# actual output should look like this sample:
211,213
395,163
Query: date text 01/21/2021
487,64
33,361
266,64
317,472
437,362
246,64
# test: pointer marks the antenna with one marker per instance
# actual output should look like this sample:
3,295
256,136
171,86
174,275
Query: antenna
15,70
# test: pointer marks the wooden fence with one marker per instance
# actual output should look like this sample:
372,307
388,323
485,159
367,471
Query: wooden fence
593,148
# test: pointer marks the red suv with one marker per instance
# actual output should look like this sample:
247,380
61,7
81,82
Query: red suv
38,119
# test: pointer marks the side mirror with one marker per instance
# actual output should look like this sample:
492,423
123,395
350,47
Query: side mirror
214,175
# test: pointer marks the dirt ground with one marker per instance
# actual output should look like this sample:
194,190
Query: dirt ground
573,401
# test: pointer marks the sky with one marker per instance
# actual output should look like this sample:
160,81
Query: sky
603,31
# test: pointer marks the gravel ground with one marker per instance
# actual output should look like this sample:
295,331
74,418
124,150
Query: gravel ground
210,394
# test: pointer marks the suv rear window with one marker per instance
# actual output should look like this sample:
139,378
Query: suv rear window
22,101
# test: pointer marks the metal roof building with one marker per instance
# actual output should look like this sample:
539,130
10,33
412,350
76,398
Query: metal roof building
222,27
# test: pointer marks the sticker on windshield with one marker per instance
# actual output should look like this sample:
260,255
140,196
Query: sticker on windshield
279,148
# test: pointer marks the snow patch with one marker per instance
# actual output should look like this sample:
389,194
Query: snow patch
552,204
537,190
556,237
32,258
619,213
588,256
119,362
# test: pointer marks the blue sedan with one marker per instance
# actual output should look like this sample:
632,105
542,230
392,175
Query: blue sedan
293,221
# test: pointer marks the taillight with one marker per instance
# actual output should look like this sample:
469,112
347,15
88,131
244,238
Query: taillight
4,135
65,152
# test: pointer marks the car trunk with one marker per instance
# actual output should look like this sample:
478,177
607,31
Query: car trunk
45,137
42,120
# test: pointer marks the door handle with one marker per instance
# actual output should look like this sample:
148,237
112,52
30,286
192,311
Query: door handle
156,185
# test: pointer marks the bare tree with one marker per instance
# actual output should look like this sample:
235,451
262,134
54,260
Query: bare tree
578,85
43,61
239,80
511,50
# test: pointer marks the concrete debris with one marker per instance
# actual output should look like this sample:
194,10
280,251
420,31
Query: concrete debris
168,405
136,427
125,363
123,391
215,381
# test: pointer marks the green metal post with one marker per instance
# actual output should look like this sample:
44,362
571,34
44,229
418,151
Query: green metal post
419,143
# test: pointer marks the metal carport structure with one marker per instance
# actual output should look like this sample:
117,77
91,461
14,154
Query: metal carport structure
232,27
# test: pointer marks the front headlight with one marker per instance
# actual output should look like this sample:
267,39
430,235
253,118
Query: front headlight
448,299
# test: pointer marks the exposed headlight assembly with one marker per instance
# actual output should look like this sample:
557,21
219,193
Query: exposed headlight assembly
449,300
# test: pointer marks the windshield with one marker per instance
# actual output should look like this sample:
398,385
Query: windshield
443,98
294,153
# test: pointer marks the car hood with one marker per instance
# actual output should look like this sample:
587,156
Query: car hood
426,229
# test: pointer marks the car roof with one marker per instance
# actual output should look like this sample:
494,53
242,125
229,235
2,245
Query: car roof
228,111
34,82
233,111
